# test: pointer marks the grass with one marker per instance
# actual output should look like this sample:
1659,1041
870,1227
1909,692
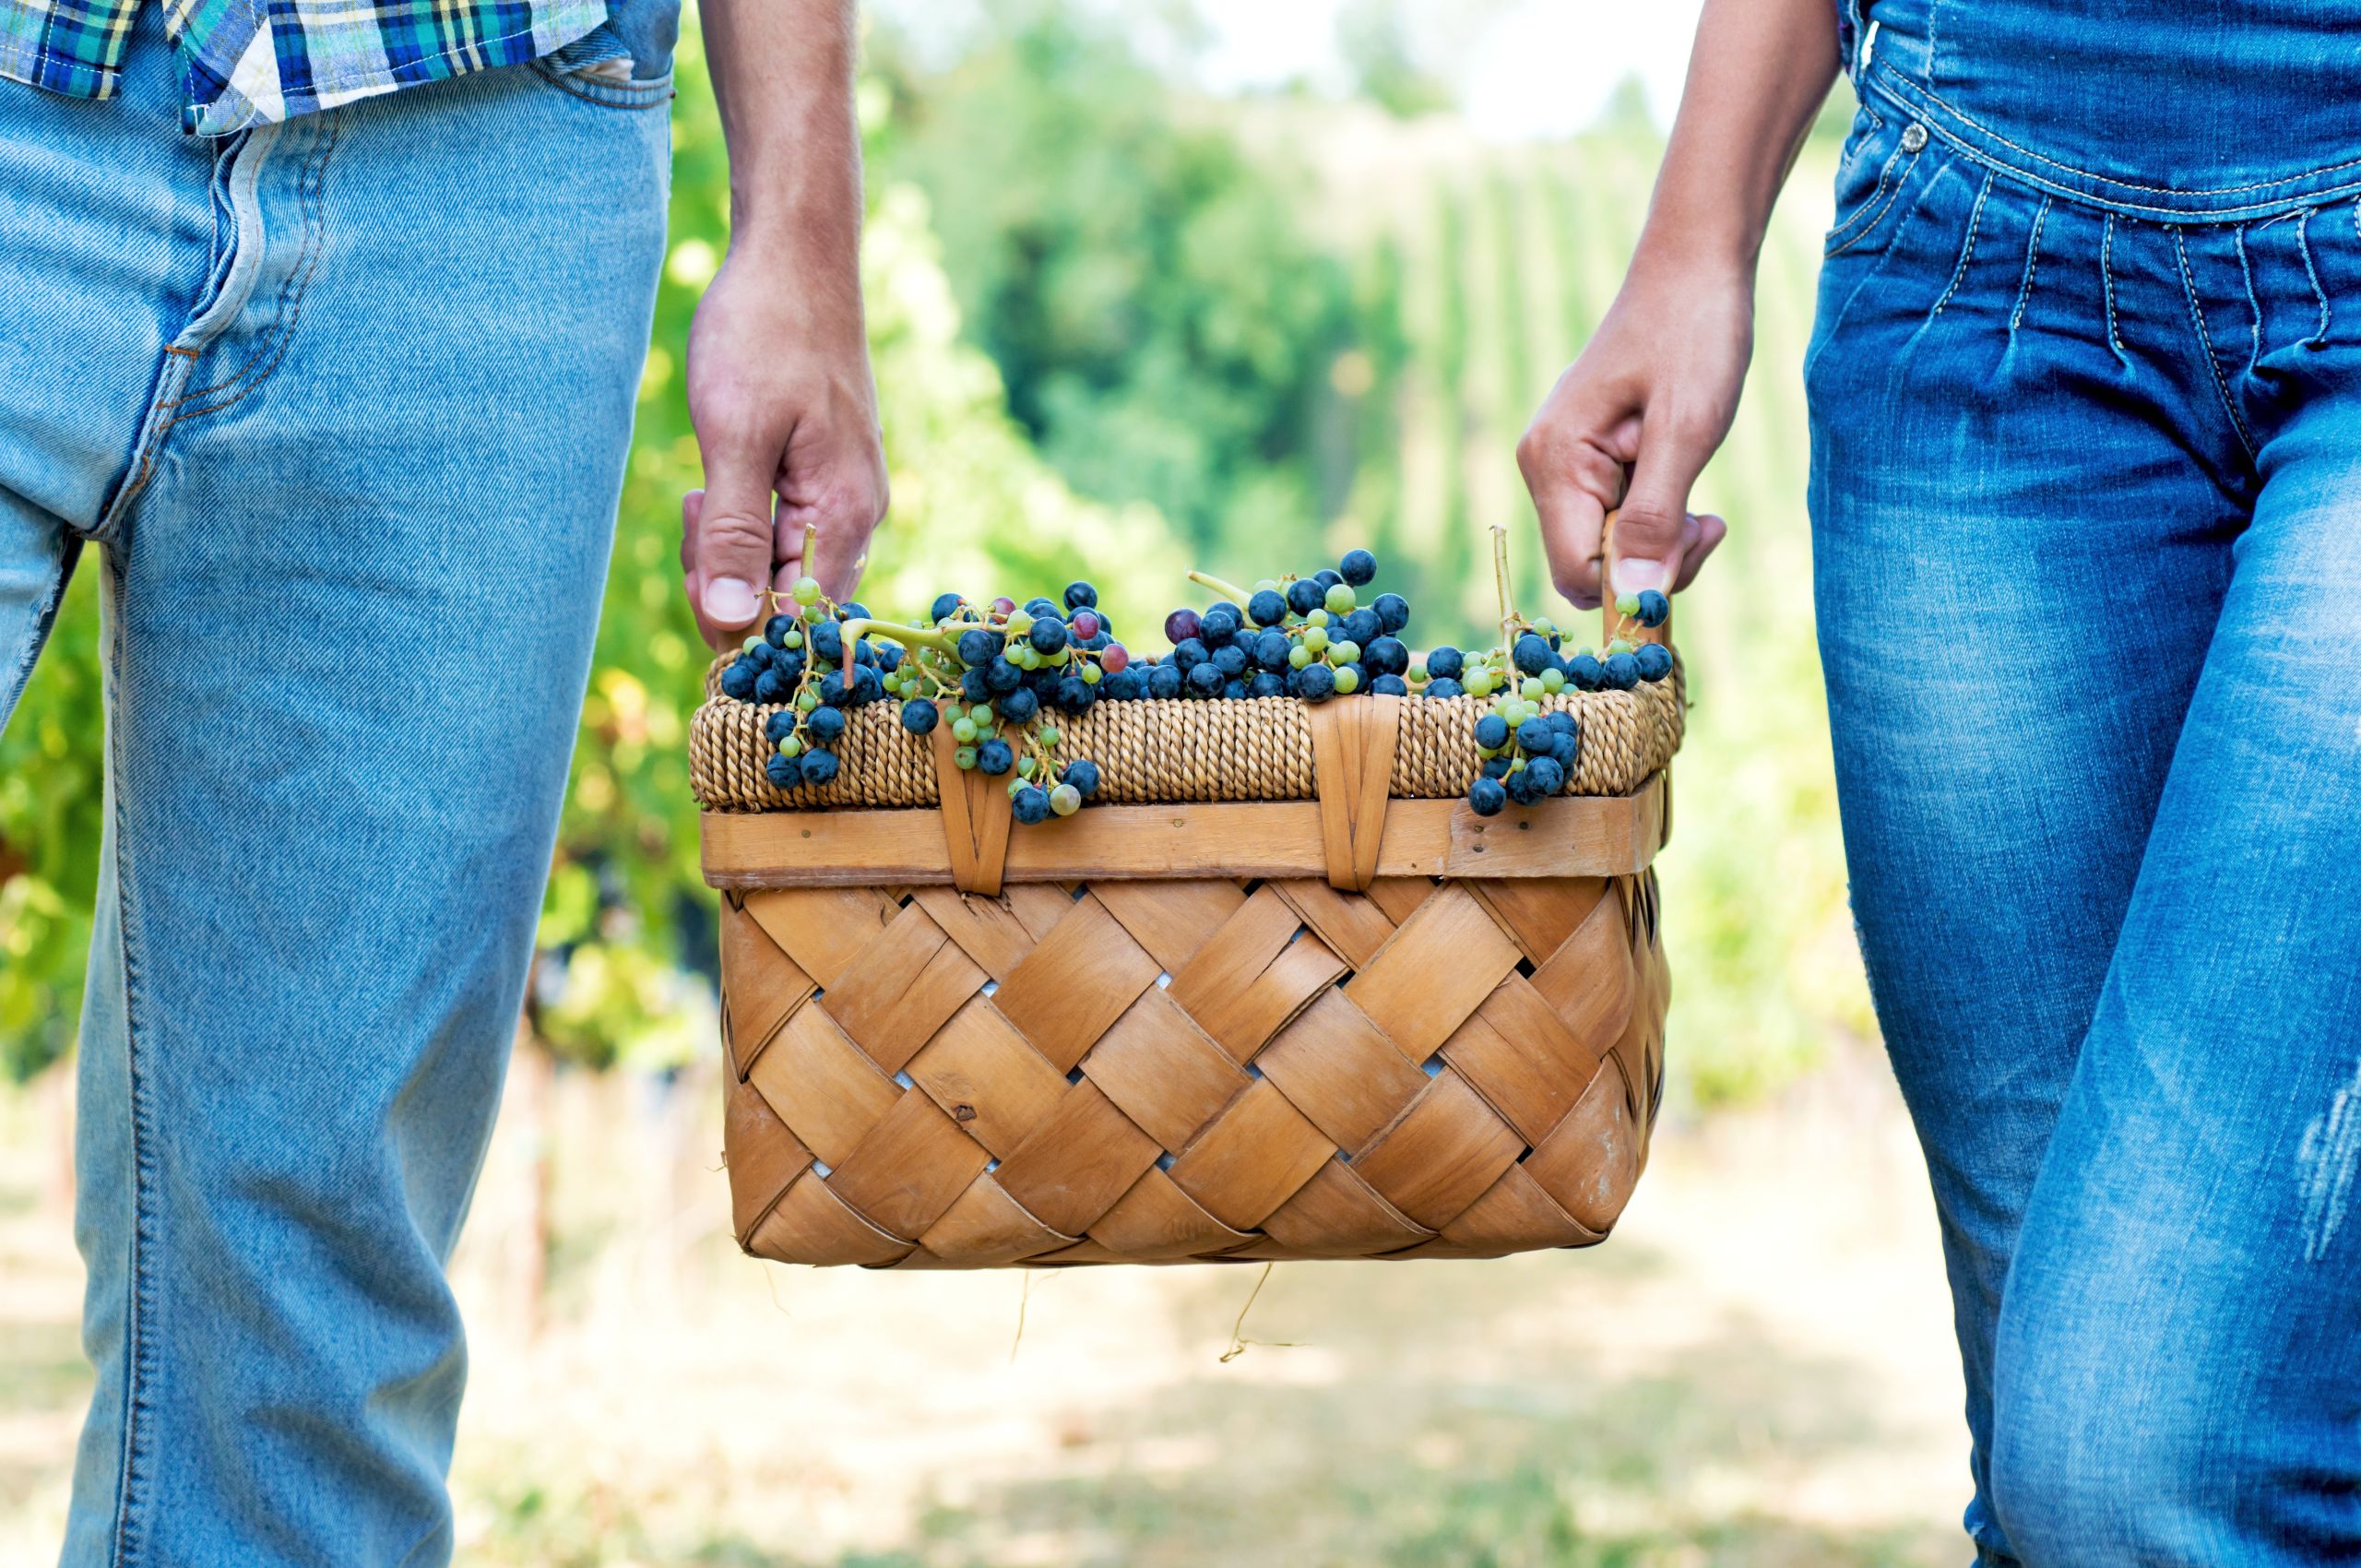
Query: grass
1754,1372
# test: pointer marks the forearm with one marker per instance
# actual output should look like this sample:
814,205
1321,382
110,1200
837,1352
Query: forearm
1757,76
783,76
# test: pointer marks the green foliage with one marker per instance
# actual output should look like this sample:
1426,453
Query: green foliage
1165,325
52,809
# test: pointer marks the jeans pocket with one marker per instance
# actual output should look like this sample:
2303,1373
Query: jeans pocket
596,68
1879,155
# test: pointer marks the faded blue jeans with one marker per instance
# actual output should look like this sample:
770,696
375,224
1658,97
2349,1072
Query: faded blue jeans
2085,393
344,404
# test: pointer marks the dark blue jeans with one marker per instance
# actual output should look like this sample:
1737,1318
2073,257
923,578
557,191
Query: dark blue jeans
2086,497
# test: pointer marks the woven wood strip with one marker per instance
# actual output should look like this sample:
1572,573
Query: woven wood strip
1180,752
1199,1070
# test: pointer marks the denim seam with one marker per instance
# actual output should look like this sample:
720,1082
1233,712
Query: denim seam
2107,287
289,307
2254,303
1868,221
2205,346
139,1362
2304,249
1877,269
1967,248
2032,263
1904,87
638,96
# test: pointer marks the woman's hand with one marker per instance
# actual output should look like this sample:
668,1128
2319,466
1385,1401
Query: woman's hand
1651,396
1635,417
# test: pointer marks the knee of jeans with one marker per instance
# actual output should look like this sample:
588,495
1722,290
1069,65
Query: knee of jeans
2102,1452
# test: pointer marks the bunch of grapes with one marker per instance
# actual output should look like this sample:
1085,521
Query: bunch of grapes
1002,675
1013,669
1308,637
1530,755
798,665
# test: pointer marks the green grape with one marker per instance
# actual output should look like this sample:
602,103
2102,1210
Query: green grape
1340,600
1267,584
1023,657
1620,644
1478,684
1016,784
1486,753
1417,671
1090,674
1316,639
1317,618
807,699
1627,604
1348,680
1553,680
792,638
1545,627
1531,689
814,613
966,757
790,746
1049,736
1299,656
1345,652
1025,766
806,590
963,729
1019,624
1062,655
983,714
751,643
1065,799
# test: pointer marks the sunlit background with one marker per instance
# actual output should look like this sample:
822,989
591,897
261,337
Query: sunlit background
1155,284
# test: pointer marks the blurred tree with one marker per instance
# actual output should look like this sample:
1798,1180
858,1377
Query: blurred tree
1375,39
1143,280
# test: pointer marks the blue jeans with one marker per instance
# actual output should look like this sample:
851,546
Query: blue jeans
2086,498
344,403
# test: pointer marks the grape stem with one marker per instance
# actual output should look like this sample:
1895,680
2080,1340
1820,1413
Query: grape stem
1231,591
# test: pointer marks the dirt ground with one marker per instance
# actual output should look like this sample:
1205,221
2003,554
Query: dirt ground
1756,1371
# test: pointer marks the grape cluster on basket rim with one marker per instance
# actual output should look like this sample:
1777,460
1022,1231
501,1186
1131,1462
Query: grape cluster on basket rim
1004,675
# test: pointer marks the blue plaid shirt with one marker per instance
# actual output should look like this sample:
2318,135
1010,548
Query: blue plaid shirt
251,61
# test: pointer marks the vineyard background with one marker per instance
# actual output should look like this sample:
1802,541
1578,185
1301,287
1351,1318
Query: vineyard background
1123,327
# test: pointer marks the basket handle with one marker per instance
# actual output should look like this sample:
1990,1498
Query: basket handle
1352,771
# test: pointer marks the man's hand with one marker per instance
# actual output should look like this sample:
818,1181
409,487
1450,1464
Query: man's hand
1651,396
778,379
781,394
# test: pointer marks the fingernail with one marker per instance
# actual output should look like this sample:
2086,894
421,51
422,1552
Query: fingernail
1632,574
729,603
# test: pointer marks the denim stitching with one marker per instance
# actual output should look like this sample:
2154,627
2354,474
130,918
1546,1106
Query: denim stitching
291,291
2107,286
2304,248
138,1352
1877,270
2033,261
2205,346
1967,250
1870,225
1935,98
2238,243
1863,211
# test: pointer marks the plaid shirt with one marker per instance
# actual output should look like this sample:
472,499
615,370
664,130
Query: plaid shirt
251,61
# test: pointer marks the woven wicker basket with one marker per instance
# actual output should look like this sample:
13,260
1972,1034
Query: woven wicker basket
1310,1007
